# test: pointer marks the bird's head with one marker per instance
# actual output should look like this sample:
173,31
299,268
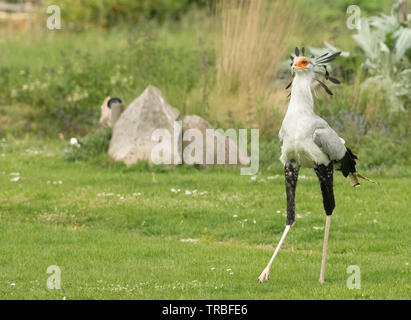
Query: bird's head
114,101
300,64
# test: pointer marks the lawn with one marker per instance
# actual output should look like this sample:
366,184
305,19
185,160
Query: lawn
127,233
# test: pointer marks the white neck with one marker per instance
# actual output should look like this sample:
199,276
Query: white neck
301,96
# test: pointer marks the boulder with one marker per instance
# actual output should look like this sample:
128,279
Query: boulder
132,134
221,140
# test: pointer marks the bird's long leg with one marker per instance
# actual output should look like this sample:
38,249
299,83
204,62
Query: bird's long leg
325,176
265,275
291,177
326,233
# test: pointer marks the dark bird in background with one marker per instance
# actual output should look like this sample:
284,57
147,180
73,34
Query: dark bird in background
116,106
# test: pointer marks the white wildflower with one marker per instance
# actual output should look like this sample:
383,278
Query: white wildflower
74,142
189,240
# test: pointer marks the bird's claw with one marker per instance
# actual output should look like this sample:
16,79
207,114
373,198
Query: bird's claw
265,276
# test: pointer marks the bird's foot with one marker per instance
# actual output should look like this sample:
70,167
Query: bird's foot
265,275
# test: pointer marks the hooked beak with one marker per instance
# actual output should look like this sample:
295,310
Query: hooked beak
295,68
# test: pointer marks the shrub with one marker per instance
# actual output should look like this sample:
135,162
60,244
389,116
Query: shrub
94,144
67,90
270,152
386,46
108,13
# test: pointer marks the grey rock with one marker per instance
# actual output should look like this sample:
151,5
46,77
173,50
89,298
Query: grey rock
132,133
238,155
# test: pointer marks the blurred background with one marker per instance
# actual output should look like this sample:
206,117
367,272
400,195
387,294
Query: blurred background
226,61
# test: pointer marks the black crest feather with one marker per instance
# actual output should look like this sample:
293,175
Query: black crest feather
327,74
333,80
323,55
325,87
328,59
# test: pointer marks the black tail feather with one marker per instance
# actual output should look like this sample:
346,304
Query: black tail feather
348,163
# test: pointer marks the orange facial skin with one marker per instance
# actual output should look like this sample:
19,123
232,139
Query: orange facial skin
302,63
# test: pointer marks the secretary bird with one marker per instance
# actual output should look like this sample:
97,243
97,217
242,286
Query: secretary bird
308,141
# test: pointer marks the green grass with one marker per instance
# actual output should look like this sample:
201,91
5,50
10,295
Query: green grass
128,246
